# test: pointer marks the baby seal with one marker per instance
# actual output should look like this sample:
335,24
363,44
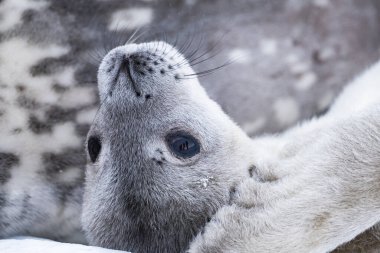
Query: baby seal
163,159
162,156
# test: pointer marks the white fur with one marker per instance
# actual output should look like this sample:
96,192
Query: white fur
316,187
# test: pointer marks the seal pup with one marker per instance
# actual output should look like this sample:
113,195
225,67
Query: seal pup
162,155
166,164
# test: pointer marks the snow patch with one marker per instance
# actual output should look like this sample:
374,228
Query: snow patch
326,100
240,55
254,126
268,47
204,182
321,3
306,81
131,18
39,245
286,111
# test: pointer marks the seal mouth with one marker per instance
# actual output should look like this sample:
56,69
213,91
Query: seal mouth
125,67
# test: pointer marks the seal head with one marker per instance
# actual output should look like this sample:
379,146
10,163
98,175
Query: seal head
162,156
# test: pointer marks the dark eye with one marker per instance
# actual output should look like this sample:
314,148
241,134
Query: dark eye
182,144
94,146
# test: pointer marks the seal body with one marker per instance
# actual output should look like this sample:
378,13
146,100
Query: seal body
164,161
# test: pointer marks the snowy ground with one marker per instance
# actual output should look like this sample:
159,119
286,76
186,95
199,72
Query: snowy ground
38,245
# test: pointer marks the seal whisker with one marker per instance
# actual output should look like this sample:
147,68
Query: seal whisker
139,36
214,47
197,59
205,59
93,57
174,52
155,46
158,44
208,71
165,54
200,43
191,54
116,39
104,45
175,41
131,38
185,45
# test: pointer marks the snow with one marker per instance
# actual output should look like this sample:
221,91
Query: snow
39,245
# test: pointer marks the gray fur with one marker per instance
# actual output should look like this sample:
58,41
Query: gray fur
47,98
139,196
310,189
48,95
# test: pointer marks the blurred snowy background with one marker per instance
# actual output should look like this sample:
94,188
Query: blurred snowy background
291,56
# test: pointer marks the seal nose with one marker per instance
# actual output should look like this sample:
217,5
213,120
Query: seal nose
139,66
126,67
143,70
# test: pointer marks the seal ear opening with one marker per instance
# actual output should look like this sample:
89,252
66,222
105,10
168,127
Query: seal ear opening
94,147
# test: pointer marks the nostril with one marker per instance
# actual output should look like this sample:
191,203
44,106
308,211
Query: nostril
94,147
124,64
128,69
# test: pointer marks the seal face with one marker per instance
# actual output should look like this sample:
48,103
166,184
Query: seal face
159,153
